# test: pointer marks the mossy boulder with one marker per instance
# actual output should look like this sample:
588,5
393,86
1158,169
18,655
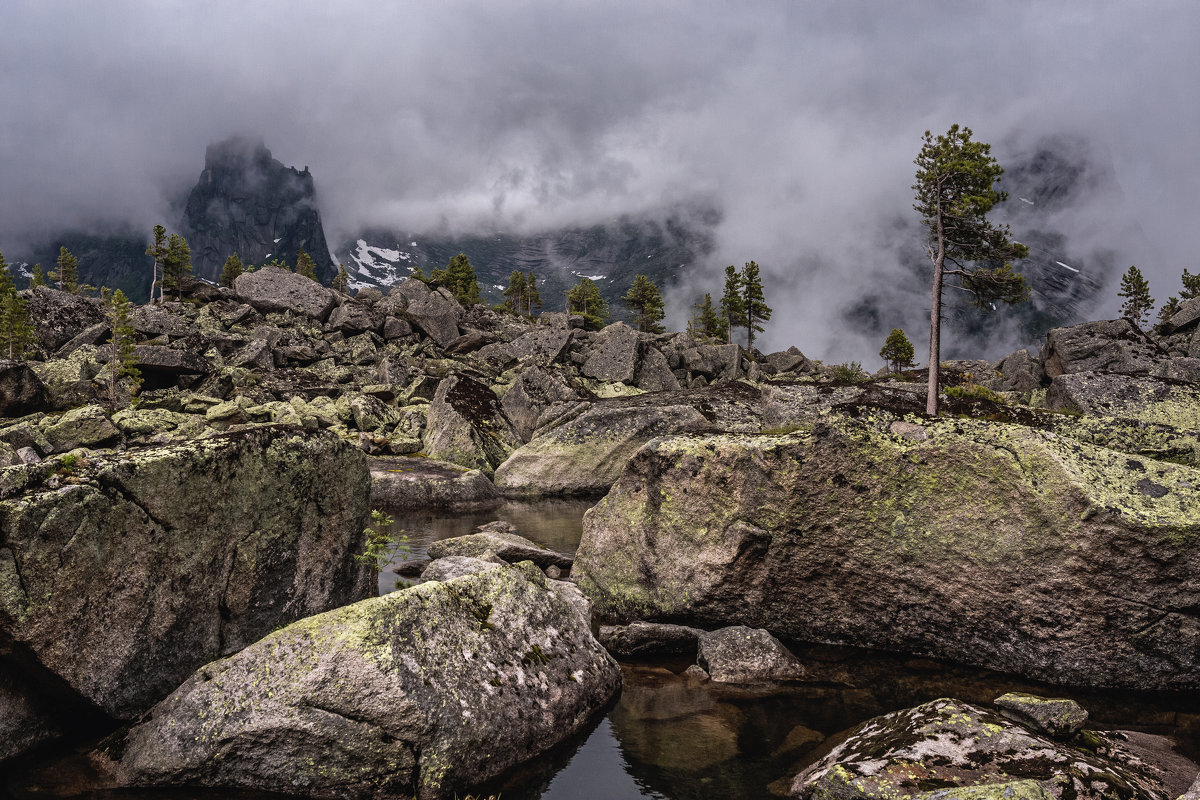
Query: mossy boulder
121,573
467,426
986,543
426,484
87,426
428,691
948,746
1056,716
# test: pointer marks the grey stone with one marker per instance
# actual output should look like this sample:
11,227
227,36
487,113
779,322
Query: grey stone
450,567
58,317
432,312
1103,346
467,426
87,426
1185,318
271,289
21,390
426,484
614,355
503,544
160,360
650,640
156,321
1058,717
653,373
738,654
353,317
533,392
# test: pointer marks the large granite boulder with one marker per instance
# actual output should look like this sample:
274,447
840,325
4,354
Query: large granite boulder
541,346
425,692
586,454
948,743
272,289
534,392
21,390
466,426
434,313
1115,345
985,543
614,355
426,484
499,540
121,573
1141,398
738,654
59,316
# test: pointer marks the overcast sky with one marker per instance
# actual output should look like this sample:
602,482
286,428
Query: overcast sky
799,120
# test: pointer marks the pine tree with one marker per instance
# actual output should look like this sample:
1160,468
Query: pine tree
418,274
459,278
6,279
1136,291
232,269
17,335
516,293
754,306
176,264
67,273
646,303
341,281
733,304
38,278
122,353
159,251
1191,286
584,298
1169,309
708,322
533,298
898,351
305,265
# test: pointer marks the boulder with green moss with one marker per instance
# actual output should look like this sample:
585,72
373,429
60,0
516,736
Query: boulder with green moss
467,426
970,753
425,692
1141,398
426,484
121,573
986,543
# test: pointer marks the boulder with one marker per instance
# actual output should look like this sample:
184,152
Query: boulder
426,484
21,390
948,743
425,692
151,320
1017,372
533,392
353,317
1115,345
156,360
738,654
395,328
985,543
59,316
541,346
1181,369
614,355
653,373
587,454
451,567
1185,318
790,360
1055,716
1141,398
151,563
86,426
467,426
433,313
501,542
650,640
272,289
69,380
713,361
1192,793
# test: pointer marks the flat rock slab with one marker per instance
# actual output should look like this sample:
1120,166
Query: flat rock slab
650,640
506,546
1058,717
738,654
420,484
271,289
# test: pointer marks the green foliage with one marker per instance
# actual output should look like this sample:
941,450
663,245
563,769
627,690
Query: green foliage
278,263
67,273
305,265
646,303
38,278
973,391
68,464
459,278
341,281
753,305
382,544
158,250
1191,286
232,269
1169,309
17,336
897,351
705,323
515,292
122,354
850,371
6,279
584,298
733,303
534,298
418,274
176,263
1136,291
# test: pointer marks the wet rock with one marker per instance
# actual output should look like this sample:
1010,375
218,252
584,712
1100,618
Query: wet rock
467,426
1105,346
738,654
271,289
426,484
967,531
451,567
650,640
955,745
1058,717
354,702
502,543
614,355
434,313
21,390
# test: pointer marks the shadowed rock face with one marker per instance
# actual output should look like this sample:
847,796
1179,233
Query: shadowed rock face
985,543
121,573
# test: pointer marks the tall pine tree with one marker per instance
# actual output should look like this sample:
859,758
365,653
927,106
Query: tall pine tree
17,336
305,265
646,303
733,303
516,293
232,269
584,298
67,273
176,264
341,281
459,278
754,305
533,298
122,353
158,250
1136,291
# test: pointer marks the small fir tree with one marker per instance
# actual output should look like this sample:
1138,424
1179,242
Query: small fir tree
305,265
584,298
158,250
176,264
533,298
232,269
516,293
1136,291
67,273
898,351
6,279
38,278
1169,309
122,353
341,281
1191,286
17,336
733,304
754,305
459,278
705,322
646,303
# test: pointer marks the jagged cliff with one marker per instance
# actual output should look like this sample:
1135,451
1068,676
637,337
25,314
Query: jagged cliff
248,202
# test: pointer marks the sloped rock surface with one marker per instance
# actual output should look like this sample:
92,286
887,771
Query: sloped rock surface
502,542
614,356
59,316
1141,398
428,692
271,289
425,484
466,426
738,654
21,390
1103,346
434,313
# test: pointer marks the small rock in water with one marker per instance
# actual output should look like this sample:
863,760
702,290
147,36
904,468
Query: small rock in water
1059,717
746,655
645,639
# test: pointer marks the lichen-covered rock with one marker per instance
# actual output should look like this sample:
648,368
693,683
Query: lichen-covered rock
985,543
1192,793
499,540
1056,716
426,484
59,316
738,654
614,356
21,390
1013,790
1104,346
271,289
1127,396
650,639
127,571
952,744
427,691
87,426
434,313
466,426
587,454
653,373
533,392
451,567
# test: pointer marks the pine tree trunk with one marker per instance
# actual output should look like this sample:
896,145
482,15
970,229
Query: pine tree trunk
935,320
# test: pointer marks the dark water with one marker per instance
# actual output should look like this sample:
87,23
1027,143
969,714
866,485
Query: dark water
672,737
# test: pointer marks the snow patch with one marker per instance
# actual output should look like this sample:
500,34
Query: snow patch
1066,266
1027,200
277,240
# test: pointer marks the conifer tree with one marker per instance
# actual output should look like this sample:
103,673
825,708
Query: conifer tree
122,361
898,351
733,304
584,298
1136,291
17,335
1169,309
708,322
754,306
341,281
6,279
158,249
1191,286
305,265
459,278
176,264
38,278
646,303
516,293
67,273
418,274
533,298
232,269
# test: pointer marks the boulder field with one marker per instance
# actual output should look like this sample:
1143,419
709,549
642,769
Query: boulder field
991,544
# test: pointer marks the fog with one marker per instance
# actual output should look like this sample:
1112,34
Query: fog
799,121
